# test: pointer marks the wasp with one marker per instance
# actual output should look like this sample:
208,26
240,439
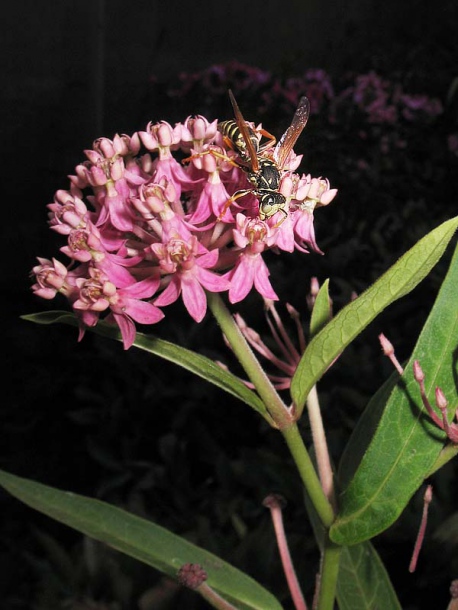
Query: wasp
262,166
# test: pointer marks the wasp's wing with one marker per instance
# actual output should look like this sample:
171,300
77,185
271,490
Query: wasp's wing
289,138
241,124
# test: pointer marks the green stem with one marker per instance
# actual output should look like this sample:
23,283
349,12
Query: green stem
282,417
328,577
308,474
278,411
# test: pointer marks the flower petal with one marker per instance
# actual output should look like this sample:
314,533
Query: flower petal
241,280
170,294
127,328
194,297
261,281
143,312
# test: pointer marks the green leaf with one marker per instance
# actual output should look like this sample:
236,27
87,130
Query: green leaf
196,363
406,443
364,431
363,583
139,538
398,281
321,312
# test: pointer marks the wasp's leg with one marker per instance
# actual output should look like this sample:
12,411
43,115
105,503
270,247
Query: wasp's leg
231,200
215,153
229,143
272,140
277,224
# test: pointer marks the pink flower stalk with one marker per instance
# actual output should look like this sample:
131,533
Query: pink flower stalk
287,355
451,429
193,576
286,347
388,350
314,290
275,504
148,218
427,499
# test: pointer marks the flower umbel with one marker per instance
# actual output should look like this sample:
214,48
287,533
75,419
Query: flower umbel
144,226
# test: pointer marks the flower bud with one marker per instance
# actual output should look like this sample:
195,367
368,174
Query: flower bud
117,169
105,147
192,575
418,372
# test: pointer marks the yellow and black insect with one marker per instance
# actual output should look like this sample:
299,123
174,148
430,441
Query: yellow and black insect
263,168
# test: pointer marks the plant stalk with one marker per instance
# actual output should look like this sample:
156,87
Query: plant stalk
328,576
321,447
308,475
276,408
282,417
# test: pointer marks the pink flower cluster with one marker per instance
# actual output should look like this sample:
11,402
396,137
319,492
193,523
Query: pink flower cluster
144,226
379,100
383,101
216,79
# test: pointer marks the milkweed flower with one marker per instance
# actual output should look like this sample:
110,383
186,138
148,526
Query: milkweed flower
98,294
50,278
187,262
151,218
253,236
309,193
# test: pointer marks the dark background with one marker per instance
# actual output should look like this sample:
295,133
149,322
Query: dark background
91,418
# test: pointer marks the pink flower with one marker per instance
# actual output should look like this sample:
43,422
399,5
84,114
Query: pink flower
162,137
188,264
320,192
171,170
309,193
116,208
304,230
197,131
213,195
420,106
68,212
121,146
50,278
86,246
250,269
97,294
